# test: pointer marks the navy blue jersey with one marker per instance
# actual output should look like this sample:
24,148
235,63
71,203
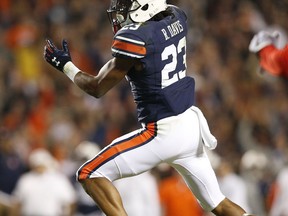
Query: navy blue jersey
160,86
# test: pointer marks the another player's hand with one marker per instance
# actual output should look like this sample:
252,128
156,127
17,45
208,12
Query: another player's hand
263,39
57,58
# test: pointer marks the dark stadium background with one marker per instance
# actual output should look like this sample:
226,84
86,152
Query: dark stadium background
39,107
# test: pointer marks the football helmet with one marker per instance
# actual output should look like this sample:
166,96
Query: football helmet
124,12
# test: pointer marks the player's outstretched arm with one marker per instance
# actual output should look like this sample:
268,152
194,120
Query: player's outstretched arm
109,75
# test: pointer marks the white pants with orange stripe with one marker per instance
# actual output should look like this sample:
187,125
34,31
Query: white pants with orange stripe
175,140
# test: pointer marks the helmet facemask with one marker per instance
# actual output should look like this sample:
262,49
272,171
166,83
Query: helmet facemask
118,13
124,12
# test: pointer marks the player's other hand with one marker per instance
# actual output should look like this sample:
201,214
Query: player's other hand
57,58
263,39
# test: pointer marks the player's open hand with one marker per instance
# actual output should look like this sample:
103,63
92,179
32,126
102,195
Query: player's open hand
57,58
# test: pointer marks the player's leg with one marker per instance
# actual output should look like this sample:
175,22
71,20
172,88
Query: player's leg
179,142
227,207
201,179
127,156
105,195
194,165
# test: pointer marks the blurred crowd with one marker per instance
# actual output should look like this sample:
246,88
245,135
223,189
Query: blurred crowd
40,108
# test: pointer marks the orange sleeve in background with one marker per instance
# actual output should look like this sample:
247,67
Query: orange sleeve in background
275,61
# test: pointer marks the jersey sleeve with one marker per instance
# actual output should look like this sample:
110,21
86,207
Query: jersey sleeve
128,44
275,61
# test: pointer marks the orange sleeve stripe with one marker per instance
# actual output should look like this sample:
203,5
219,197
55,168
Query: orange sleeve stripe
116,149
129,47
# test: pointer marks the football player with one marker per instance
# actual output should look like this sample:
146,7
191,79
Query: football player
149,49
273,58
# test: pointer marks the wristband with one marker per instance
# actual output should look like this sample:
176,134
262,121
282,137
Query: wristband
70,70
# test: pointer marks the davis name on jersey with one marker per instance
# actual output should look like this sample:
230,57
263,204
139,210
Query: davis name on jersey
174,29
160,85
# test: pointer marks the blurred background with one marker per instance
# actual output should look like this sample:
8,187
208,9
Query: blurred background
41,109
